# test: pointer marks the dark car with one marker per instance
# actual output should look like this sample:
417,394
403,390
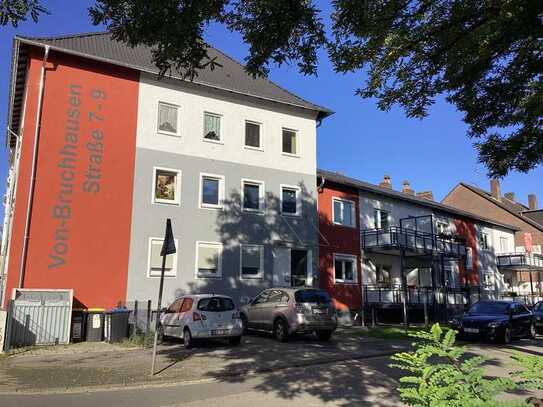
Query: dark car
538,313
499,321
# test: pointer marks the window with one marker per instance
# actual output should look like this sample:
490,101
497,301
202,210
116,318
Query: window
469,258
488,280
252,135
483,241
344,212
168,119
504,244
176,305
252,261
442,228
211,191
166,186
216,304
212,127
291,203
380,219
290,142
382,275
261,298
345,268
208,259
252,195
187,305
154,262
277,296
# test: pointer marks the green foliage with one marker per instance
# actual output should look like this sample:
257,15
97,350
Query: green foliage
14,11
441,374
531,374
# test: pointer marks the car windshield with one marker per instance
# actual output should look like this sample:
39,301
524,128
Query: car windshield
489,308
313,296
216,304
538,307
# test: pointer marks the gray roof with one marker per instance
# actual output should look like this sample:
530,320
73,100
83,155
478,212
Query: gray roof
231,76
388,192
536,215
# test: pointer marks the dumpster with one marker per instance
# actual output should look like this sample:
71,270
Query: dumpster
78,325
116,325
95,325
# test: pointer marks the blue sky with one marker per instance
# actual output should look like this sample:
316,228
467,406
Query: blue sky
358,140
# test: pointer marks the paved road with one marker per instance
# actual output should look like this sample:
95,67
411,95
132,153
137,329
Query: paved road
345,384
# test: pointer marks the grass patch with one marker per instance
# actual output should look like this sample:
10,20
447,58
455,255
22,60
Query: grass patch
141,340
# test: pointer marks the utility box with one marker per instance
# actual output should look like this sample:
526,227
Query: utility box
116,325
95,325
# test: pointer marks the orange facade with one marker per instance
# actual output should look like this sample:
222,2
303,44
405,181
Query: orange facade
81,213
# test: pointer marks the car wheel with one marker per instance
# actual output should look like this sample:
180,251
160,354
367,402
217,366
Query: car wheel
532,332
507,335
235,341
280,330
187,339
324,336
244,325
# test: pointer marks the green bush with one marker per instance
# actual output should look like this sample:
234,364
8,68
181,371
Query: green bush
442,374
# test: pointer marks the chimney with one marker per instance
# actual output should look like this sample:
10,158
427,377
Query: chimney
406,188
510,196
532,201
426,195
495,189
386,183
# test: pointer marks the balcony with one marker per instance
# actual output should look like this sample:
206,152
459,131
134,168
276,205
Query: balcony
413,242
520,261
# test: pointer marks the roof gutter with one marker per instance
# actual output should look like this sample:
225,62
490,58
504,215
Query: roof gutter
12,84
37,129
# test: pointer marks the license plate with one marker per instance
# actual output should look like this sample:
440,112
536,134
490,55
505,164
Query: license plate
219,332
471,330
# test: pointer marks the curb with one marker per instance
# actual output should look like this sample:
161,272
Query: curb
173,383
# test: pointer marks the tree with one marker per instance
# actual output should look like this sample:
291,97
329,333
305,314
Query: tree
14,11
485,56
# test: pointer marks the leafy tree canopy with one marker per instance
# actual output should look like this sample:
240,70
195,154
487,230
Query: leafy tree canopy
485,56
14,11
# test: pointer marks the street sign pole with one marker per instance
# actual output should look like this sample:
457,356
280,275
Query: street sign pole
168,247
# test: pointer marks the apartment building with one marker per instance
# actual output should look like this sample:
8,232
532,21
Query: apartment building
378,244
103,151
520,263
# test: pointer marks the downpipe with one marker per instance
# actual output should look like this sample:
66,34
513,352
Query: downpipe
33,173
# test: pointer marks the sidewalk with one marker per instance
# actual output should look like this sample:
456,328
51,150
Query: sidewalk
107,366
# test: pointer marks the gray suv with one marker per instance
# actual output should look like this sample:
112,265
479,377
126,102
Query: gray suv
287,311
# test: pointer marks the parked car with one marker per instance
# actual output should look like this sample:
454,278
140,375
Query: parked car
538,313
288,311
202,316
501,321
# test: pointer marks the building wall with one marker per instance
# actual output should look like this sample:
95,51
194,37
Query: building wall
338,239
462,198
81,213
191,155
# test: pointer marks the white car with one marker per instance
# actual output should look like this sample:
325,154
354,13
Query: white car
202,316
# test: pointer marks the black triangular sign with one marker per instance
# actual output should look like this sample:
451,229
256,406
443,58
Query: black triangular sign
168,247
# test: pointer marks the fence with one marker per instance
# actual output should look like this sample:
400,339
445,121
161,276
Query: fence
142,317
38,319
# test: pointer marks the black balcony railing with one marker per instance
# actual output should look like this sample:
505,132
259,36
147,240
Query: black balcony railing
520,260
412,241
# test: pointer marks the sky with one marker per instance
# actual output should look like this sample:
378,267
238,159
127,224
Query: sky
359,140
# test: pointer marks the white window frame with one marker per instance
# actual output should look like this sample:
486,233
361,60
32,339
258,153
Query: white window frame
342,201
219,262
261,195
154,199
503,239
171,274
484,238
261,138
220,116
260,274
379,226
444,225
220,178
168,133
346,257
297,154
298,199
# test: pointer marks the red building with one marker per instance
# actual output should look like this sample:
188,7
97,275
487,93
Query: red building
339,244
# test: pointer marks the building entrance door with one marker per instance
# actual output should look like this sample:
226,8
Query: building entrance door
298,267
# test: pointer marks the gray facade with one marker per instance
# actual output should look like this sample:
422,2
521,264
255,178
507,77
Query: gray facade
230,226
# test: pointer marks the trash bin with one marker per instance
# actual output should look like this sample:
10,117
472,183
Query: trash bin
95,325
78,325
116,325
